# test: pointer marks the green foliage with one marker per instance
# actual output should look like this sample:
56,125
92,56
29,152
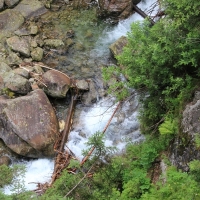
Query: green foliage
178,185
162,60
169,126
6,174
195,169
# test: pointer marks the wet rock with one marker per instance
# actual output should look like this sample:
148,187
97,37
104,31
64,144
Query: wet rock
16,83
28,124
10,20
4,67
19,45
11,3
117,47
37,54
1,4
13,59
57,84
54,43
115,9
31,8
5,160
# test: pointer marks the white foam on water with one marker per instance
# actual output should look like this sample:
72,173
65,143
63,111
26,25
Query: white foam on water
37,171
123,127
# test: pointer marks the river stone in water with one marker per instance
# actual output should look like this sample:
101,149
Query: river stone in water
16,83
28,124
19,45
55,84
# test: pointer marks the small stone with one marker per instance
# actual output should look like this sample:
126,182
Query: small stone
37,54
38,69
34,30
53,43
82,84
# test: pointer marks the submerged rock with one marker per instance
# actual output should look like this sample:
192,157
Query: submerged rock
29,125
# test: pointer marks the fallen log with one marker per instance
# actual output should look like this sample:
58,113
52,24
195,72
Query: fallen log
143,14
62,159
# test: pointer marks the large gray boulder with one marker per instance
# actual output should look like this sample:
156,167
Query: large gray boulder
31,8
28,124
19,45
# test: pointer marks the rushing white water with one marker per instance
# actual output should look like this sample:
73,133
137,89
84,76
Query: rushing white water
124,126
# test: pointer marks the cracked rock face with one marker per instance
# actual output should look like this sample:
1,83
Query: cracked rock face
28,124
